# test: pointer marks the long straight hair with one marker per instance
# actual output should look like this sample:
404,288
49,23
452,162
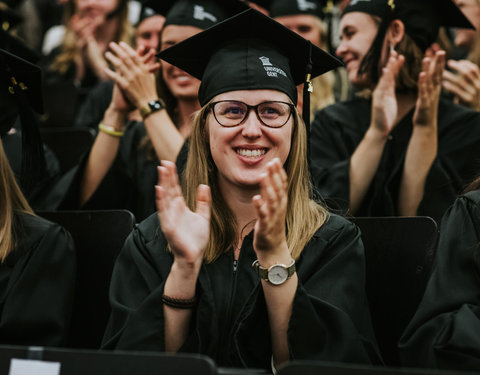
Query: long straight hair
11,200
304,216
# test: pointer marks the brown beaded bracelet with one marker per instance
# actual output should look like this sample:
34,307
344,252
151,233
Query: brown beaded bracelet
178,303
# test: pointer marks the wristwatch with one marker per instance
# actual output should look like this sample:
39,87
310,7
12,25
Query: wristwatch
276,274
153,106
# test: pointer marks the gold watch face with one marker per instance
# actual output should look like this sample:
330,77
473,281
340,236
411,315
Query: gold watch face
277,274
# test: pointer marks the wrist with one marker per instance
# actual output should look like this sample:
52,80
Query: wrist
376,135
281,255
148,107
115,118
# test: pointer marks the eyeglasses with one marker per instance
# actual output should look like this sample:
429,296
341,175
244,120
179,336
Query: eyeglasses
229,113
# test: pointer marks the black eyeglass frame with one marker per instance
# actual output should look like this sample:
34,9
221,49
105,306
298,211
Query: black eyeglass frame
255,108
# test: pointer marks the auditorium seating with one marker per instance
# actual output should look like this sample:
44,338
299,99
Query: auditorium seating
399,254
98,237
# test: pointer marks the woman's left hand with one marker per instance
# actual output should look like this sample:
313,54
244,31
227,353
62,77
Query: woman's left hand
271,208
429,89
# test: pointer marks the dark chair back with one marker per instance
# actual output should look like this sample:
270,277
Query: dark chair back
98,237
81,362
68,144
399,255
325,368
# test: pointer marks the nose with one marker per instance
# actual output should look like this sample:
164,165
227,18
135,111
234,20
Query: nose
252,128
341,49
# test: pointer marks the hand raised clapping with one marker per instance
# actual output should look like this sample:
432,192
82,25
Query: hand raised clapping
187,232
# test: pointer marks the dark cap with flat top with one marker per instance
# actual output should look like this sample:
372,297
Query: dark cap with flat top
246,52
199,13
280,8
422,18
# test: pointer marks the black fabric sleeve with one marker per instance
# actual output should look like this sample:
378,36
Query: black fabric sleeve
445,331
39,298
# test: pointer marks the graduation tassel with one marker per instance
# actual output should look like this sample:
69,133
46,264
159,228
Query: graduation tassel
307,90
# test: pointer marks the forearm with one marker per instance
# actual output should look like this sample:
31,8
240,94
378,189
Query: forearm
363,166
102,155
166,139
279,300
180,284
421,153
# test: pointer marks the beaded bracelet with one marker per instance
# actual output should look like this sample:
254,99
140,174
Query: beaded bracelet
110,130
178,303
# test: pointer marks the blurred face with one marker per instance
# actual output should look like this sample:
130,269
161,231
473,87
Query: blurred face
241,152
306,25
181,84
148,32
95,8
465,38
358,33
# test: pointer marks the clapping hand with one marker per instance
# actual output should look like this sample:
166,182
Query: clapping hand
187,232
384,101
271,209
464,82
429,88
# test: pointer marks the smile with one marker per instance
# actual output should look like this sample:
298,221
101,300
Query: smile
250,153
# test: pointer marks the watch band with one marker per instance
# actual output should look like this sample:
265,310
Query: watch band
153,106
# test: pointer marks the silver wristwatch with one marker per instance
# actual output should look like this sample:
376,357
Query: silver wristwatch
276,274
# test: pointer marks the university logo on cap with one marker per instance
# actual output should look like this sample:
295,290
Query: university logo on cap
200,14
272,71
305,5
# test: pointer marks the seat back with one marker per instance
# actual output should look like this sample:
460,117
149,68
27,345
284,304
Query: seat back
82,362
399,255
98,237
68,144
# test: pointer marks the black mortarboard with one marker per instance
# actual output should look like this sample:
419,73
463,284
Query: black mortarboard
17,47
9,18
145,12
280,8
200,13
249,51
422,18
20,82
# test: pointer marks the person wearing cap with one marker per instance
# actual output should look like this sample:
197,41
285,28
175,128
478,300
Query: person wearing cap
242,265
147,38
120,169
445,331
403,150
462,78
306,19
37,257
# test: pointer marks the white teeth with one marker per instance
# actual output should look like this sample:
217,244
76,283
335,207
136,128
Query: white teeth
251,153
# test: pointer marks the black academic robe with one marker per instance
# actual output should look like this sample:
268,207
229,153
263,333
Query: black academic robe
445,331
37,285
12,144
330,318
94,106
129,184
338,129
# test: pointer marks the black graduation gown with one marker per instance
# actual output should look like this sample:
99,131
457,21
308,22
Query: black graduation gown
37,285
129,184
330,318
93,108
338,129
445,331
12,143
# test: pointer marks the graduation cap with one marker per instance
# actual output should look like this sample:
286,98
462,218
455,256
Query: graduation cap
199,13
250,51
20,83
422,18
280,8
9,18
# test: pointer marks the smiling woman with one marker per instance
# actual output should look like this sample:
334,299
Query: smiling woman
241,264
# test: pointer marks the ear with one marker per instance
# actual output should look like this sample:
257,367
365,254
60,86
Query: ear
395,32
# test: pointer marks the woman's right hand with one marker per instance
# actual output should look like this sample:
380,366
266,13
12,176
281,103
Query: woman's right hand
384,101
187,232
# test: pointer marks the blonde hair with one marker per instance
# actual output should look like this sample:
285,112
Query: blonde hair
11,200
304,216
69,51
